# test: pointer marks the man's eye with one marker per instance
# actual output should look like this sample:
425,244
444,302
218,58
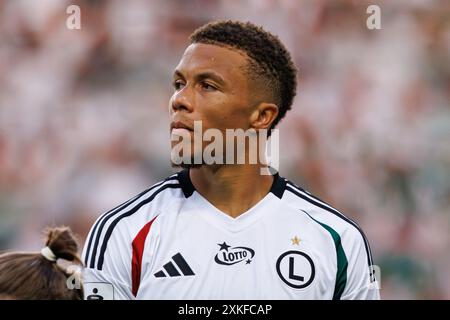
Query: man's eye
178,84
208,87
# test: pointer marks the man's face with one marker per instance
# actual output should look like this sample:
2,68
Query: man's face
211,86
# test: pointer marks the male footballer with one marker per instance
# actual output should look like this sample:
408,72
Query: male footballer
224,230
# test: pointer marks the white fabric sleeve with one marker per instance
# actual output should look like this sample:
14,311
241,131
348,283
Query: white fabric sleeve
111,280
361,280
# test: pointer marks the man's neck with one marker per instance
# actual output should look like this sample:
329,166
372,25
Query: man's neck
233,189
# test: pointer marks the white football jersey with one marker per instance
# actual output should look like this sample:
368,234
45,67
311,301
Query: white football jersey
169,242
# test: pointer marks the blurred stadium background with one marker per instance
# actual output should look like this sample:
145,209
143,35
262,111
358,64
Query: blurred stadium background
84,124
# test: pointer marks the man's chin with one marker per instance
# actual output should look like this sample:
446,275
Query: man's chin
185,165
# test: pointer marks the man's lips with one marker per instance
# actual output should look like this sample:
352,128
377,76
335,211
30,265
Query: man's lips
179,125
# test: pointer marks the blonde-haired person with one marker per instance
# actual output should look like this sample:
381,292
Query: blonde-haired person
37,275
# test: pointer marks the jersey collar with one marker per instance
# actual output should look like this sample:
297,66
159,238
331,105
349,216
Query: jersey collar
200,206
277,188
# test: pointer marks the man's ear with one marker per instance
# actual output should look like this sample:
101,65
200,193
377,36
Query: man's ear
263,116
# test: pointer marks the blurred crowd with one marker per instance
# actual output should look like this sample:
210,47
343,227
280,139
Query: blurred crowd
84,123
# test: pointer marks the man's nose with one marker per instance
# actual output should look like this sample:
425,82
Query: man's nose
182,100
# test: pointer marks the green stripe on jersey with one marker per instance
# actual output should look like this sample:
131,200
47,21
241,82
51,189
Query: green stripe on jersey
342,263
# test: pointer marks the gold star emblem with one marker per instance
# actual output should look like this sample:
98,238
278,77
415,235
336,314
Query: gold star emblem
295,240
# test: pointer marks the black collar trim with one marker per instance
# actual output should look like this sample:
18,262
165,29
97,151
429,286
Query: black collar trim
277,188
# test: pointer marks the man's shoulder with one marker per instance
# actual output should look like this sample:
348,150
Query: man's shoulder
317,208
155,199
121,224
348,230
324,213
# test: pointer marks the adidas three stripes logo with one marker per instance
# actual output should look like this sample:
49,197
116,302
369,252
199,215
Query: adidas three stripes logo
173,268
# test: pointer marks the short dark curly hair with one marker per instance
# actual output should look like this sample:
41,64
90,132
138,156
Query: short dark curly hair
269,59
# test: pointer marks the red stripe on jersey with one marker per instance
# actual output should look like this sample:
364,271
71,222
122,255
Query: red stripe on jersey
138,249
